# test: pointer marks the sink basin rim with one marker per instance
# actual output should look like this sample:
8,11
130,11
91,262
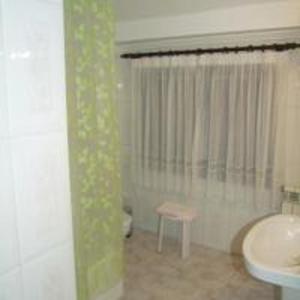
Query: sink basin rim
283,276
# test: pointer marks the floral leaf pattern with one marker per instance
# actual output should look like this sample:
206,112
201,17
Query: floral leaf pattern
94,145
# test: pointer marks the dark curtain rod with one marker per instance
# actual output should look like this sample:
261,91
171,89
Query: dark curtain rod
250,48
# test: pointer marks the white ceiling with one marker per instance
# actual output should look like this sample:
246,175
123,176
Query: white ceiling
138,9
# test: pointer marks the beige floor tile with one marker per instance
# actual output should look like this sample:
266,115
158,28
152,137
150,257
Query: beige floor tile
207,274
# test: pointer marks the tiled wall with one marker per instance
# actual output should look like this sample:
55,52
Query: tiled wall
36,249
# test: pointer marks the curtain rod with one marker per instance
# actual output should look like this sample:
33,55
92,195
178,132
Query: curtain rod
200,51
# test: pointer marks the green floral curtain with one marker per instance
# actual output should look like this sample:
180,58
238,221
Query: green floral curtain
94,145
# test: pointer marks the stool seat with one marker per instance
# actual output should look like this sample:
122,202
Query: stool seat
176,212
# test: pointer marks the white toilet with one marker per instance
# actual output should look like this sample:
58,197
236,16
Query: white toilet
127,224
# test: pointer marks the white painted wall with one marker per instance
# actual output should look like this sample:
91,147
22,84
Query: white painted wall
139,9
36,249
246,17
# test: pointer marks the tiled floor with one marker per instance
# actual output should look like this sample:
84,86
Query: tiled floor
206,275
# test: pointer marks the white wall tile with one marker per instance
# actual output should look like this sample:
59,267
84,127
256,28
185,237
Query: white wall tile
35,210
124,93
42,192
33,33
11,286
50,277
3,100
52,1
9,253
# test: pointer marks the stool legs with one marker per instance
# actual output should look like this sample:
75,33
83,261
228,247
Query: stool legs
160,233
185,246
185,250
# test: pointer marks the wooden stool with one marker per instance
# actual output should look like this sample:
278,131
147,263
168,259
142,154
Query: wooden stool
176,212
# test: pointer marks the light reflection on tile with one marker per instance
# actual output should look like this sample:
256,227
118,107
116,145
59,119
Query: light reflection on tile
34,67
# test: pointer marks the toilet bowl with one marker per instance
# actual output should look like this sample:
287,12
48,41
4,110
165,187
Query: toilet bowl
127,224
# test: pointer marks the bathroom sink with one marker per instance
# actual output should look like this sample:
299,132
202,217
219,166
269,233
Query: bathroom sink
272,251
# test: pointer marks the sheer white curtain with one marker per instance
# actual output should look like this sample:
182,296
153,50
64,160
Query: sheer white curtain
213,126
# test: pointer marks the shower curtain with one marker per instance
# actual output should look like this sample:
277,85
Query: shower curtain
94,148
211,129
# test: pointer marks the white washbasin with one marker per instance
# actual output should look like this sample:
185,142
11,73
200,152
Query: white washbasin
272,250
